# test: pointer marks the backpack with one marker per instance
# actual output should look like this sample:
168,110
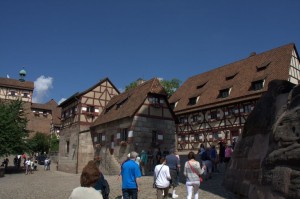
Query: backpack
105,189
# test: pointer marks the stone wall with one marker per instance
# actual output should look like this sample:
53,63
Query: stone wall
85,149
266,160
67,160
142,128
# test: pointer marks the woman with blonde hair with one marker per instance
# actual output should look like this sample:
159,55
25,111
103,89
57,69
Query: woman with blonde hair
89,176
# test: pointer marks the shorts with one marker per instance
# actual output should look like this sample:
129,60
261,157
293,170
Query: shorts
174,175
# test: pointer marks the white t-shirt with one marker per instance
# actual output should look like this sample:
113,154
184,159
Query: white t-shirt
84,193
163,176
28,162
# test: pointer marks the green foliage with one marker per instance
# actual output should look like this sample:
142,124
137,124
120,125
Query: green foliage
54,143
39,143
12,128
169,85
131,85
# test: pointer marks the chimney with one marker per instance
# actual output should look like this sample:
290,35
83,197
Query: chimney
252,54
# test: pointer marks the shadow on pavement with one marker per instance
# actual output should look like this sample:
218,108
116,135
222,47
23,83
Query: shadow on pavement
14,170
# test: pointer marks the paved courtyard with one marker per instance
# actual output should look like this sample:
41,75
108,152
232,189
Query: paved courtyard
59,185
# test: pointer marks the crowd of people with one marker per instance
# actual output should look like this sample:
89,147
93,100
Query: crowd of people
28,163
165,167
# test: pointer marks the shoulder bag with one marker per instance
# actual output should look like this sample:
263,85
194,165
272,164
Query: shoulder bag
154,183
193,170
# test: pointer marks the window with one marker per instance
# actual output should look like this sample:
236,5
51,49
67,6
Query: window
154,136
195,118
154,100
231,110
224,93
182,120
25,95
13,93
124,134
182,138
90,109
257,85
213,115
193,100
247,108
197,137
68,146
45,113
173,105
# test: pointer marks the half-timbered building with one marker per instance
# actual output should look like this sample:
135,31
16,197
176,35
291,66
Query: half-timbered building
214,105
139,119
41,118
78,112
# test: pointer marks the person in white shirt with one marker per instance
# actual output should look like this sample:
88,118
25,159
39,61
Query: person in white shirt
27,165
162,179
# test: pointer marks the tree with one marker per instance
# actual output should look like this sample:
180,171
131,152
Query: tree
12,128
131,85
39,143
54,143
169,85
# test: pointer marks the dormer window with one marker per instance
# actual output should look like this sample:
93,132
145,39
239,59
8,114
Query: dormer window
201,85
119,105
224,93
257,85
231,76
173,105
263,66
193,100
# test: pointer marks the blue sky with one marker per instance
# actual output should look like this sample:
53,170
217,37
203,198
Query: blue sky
69,45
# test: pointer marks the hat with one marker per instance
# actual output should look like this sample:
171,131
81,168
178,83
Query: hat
133,154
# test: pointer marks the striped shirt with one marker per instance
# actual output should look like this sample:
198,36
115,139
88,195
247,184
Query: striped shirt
190,174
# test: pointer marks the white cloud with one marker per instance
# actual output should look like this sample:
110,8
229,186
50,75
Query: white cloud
42,85
61,100
121,90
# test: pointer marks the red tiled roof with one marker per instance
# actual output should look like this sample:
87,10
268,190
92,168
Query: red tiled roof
246,70
132,101
13,83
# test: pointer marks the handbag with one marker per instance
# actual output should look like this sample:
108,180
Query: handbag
154,183
193,170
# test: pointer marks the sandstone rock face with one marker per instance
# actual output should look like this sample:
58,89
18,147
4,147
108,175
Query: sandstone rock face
266,160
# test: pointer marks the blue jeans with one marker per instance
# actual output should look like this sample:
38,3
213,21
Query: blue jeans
130,193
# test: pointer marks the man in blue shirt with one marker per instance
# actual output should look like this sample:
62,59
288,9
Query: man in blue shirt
131,173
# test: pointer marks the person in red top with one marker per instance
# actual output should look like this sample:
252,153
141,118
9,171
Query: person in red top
228,152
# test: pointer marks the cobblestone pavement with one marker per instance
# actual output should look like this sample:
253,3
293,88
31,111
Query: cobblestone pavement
55,185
